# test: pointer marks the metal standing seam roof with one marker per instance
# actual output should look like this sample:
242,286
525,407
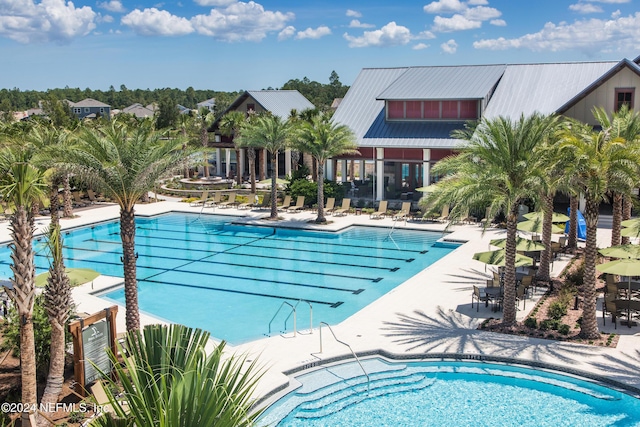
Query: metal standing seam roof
457,82
543,88
281,102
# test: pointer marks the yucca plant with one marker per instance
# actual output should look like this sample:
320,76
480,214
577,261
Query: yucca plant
168,379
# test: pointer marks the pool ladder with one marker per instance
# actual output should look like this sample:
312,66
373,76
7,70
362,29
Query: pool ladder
355,356
294,313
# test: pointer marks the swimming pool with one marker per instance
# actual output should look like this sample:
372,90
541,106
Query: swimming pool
448,393
231,280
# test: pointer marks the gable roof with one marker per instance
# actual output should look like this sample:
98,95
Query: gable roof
278,102
459,82
138,110
89,102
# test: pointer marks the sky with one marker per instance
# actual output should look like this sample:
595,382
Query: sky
231,45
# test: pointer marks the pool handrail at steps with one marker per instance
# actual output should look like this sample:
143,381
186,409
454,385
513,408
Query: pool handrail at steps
293,309
350,349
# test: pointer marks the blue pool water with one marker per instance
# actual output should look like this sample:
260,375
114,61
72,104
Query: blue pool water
206,272
440,393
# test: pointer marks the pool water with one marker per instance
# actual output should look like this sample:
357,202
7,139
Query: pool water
231,280
441,393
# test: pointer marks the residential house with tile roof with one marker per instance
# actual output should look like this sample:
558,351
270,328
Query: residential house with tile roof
403,117
90,109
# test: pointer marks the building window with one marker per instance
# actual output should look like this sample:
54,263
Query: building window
396,110
414,109
624,96
77,110
468,109
431,109
101,110
449,109
251,107
86,109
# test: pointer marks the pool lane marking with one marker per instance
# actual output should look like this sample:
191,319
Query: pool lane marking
235,291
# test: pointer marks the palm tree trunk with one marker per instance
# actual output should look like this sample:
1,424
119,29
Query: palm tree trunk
23,296
589,325
67,211
54,204
127,234
627,205
320,219
572,242
274,183
261,155
545,257
617,219
509,313
55,378
204,140
251,153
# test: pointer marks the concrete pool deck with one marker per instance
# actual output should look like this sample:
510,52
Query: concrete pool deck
429,313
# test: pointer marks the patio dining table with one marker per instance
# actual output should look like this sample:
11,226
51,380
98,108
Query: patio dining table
632,306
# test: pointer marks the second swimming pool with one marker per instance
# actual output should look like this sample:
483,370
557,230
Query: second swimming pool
231,280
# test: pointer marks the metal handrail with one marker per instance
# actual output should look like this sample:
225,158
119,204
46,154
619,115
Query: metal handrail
293,309
310,315
350,349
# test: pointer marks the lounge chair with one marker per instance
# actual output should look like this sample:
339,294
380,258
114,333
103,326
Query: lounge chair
444,216
381,212
93,197
286,203
346,205
251,201
404,212
231,201
331,204
213,202
486,221
77,200
202,201
265,204
299,205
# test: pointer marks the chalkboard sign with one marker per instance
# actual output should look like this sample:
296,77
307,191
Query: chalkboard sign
95,341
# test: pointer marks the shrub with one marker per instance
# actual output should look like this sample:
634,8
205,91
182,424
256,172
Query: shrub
547,324
557,310
309,190
564,329
575,277
531,322
76,417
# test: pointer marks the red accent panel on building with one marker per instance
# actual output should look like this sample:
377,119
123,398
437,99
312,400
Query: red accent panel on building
414,109
439,154
395,109
403,154
468,109
431,109
449,109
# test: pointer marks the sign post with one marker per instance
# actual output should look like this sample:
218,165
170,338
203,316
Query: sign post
91,338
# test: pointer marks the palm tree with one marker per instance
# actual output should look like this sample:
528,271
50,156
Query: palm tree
230,125
57,303
272,134
202,121
494,170
169,379
21,185
125,163
600,163
324,139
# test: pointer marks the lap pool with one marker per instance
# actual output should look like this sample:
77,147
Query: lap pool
231,280
448,393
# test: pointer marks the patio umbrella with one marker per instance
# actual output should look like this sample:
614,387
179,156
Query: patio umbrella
535,226
497,258
428,189
77,276
622,251
622,267
522,244
633,222
557,217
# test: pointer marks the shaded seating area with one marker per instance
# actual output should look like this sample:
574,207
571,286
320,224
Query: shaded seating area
381,212
346,205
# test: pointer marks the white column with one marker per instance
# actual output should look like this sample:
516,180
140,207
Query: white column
287,162
218,162
426,166
361,170
379,173
227,152
240,162
343,168
328,170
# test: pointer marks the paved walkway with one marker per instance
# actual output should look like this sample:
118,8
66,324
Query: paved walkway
430,313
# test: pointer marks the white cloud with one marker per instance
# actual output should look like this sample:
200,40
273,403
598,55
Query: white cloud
449,47
610,1
215,3
482,13
455,23
114,6
357,24
354,13
50,20
389,35
104,18
478,2
425,35
240,21
311,33
445,6
498,22
585,8
420,46
154,22
287,33
590,35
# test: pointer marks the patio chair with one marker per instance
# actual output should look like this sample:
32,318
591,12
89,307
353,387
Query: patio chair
479,297
527,283
331,204
252,200
231,201
214,201
444,215
404,213
93,197
285,203
346,205
486,221
521,295
381,212
202,201
77,200
299,205
609,307
265,204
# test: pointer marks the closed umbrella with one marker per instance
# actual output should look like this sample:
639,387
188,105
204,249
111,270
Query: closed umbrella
556,217
622,267
77,276
497,258
522,244
622,251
